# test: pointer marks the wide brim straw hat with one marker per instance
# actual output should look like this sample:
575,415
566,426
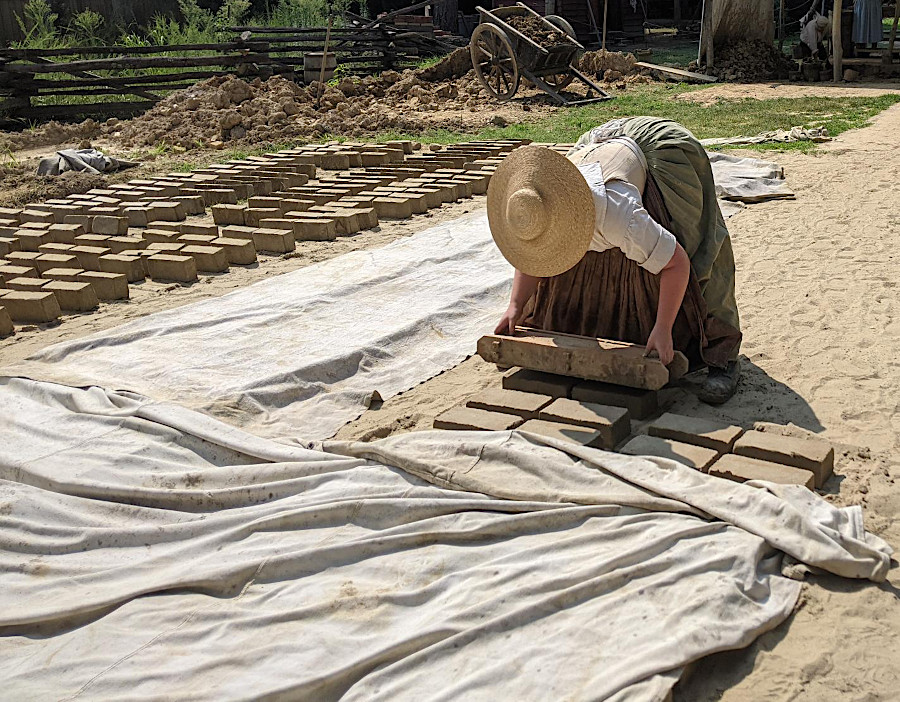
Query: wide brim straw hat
541,211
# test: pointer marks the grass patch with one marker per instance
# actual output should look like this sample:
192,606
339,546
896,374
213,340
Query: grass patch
723,119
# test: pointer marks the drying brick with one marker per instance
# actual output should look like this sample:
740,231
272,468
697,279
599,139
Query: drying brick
584,436
742,468
640,403
710,433
613,423
522,404
537,382
809,454
468,418
696,457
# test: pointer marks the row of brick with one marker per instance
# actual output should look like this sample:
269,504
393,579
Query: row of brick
710,446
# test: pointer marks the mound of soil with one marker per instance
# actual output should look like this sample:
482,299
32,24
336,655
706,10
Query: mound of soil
18,187
536,30
612,66
48,135
748,61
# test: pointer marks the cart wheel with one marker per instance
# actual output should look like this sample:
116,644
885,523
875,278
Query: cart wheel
560,80
494,61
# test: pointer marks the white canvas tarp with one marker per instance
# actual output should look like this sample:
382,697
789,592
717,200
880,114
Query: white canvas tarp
151,552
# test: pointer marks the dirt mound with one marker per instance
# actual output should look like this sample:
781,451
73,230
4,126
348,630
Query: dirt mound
454,65
612,66
19,188
748,60
536,29
230,109
48,134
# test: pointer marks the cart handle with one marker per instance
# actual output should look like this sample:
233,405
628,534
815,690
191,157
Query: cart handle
509,28
549,24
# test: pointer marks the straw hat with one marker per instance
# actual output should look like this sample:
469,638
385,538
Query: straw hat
541,211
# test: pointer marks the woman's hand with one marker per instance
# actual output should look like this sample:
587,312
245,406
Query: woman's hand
660,341
508,321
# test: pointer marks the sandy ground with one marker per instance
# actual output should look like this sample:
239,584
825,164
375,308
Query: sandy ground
768,91
817,289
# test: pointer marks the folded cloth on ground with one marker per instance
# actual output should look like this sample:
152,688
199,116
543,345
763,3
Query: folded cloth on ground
84,160
148,551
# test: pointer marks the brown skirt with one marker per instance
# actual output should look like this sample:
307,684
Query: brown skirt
610,296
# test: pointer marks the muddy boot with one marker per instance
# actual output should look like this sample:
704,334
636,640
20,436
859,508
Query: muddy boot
720,383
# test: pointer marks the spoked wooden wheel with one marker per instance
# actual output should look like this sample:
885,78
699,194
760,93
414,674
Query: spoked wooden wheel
494,61
560,80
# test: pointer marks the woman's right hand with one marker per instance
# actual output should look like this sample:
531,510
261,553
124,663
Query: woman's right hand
508,321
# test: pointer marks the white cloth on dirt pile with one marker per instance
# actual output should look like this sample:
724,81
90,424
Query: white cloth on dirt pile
748,179
151,552
307,348
84,160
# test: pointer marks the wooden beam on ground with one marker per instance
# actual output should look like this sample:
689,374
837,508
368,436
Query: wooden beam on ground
608,361
678,73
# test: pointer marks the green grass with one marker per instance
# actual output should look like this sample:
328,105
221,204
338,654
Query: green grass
722,119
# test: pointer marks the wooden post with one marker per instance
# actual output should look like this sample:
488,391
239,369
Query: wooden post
605,8
837,49
781,25
676,11
706,33
889,57
324,62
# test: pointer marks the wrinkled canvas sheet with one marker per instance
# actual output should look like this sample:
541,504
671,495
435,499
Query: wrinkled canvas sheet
748,180
151,552
782,136
306,350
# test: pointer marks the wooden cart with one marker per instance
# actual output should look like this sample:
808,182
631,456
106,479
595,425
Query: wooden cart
501,55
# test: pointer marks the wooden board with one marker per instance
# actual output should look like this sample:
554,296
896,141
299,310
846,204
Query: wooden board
678,73
609,361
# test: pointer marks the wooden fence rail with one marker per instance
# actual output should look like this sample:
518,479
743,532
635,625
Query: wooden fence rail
29,76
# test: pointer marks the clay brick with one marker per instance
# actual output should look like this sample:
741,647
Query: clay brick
335,162
6,325
196,239
314,229
174,227
467,418
137,215
9,271
585,436
8,244
200,229
74,297
130,266
238,251
92,240
160,236
710,433
32,284
613,423
69,274
107,286
254,215
118,244
392,208
181,269
696,457
238,232
65,233
36,216
30,307
192,204
741,469
111,226
23,258
208,259
166,247
640,403
84,220
89,256
45,262
537,382
273,240
31,240
522,404
165,211
809,454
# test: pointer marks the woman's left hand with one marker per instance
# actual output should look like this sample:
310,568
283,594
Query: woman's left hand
660,340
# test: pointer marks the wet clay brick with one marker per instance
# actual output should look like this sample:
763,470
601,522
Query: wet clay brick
31,284
692,456
240,252
130,266
522,404
640,403
209,259
89,256
741,469
107,286
159,236
537,382
45,262
112,226
73,297
165,211
467,418
30,307
809,454
181,269
392,208
70,274
710,433
31,239
585,436
273,240
613,423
